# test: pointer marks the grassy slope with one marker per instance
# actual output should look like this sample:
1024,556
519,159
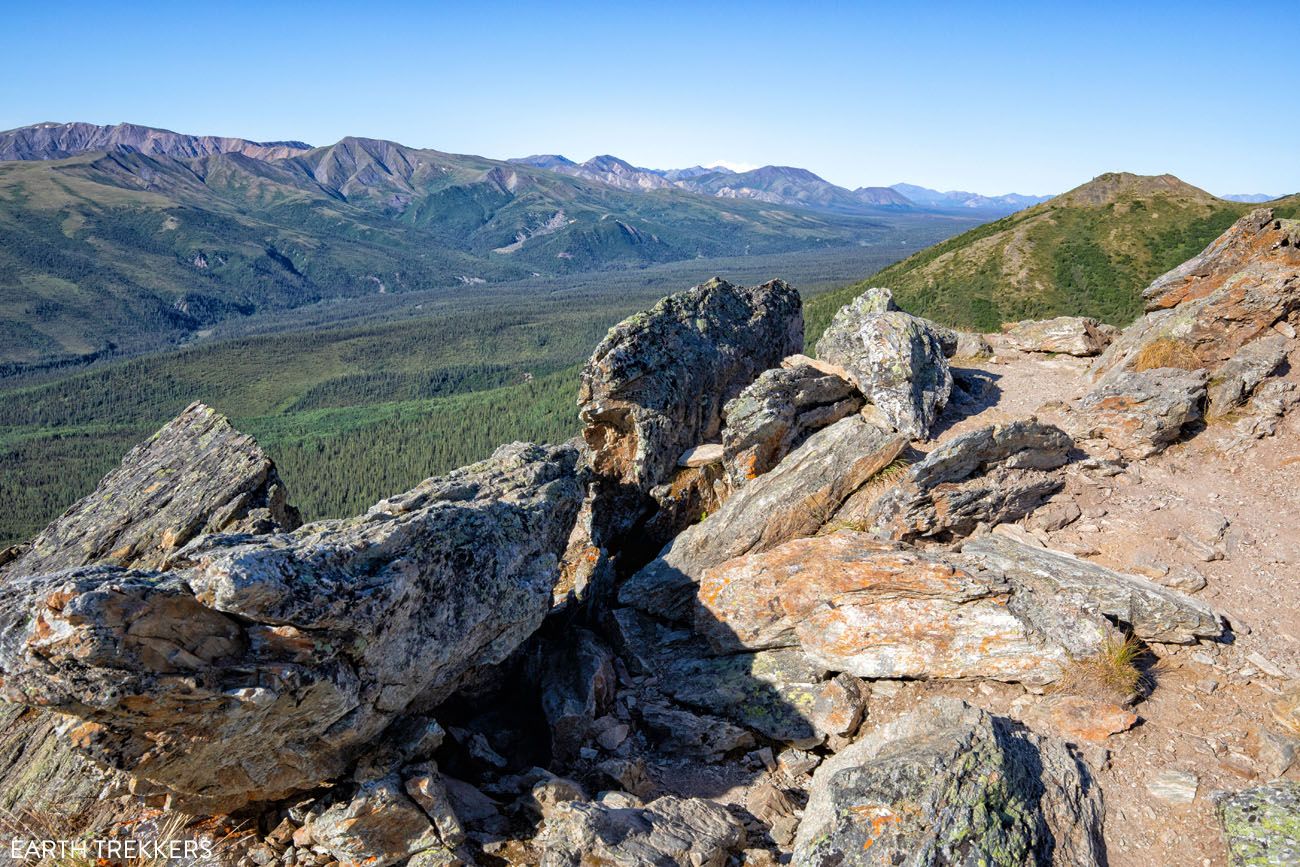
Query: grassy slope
1087,252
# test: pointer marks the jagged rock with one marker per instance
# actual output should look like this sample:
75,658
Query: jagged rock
1153,612
1140,414
657,383
795,499
424,785
667,831
1068,335
776,693
263,665
971,345
772,806
1261,826
776,413
1205,310
991,475
1257,237
195,475
679,732
378,826
576,676
950,784
1236,379
898,362
874,609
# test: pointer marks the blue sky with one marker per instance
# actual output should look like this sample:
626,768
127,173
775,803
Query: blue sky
991,97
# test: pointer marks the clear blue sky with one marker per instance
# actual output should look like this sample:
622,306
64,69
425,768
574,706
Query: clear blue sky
991,97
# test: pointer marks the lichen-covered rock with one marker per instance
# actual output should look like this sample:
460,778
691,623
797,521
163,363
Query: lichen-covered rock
1153,612
950,784
895,359
657,383
992,475
667,831
795,499
1236,379
1261,826
875,609
262,665
1205,310
1068,335
196,475
1140,414
776,413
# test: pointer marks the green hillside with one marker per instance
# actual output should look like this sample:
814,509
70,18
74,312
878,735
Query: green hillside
1090,252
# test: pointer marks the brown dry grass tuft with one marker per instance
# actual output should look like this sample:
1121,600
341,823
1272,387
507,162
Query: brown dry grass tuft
1166,352
1117,673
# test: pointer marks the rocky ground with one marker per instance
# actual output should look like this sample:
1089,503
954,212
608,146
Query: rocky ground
928,598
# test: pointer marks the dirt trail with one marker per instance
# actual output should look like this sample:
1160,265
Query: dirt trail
1220,507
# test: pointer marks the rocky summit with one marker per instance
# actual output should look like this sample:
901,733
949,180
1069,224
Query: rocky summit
924,599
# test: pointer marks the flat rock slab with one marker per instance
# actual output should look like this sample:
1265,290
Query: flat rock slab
1262,826
1068,335
1154,613
668,831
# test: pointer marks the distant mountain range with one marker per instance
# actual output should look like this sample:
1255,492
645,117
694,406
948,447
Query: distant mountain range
1251,198
783,185
123,239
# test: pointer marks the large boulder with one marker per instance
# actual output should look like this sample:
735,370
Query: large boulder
1140,414
795,499
1153,612
876,609
263,664
657,384
196,475
1067,335
1205,310
950,784
898,362
776,413
992,475
667,831
1261,826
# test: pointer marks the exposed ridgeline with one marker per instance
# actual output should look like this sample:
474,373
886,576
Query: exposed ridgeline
738,623
1087,252
56,141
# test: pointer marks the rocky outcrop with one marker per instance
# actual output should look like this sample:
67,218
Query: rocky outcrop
667,831
196,475
971,345
1261,826
1068,335
657,384
1204,311
1257,237
1140,414
264,664
950,784
898,362
875,609
795,499
776,413
1153,612
992,475
379,825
